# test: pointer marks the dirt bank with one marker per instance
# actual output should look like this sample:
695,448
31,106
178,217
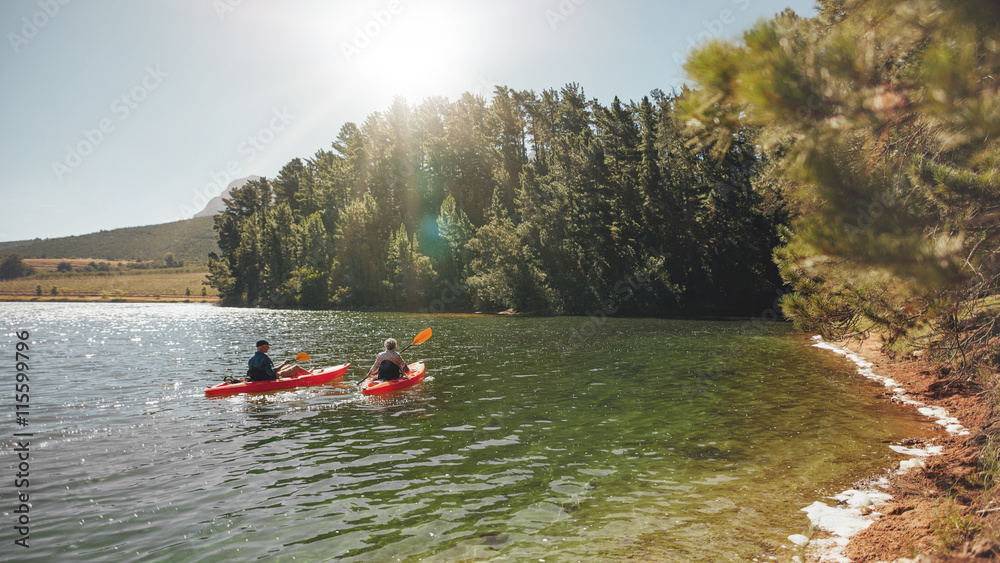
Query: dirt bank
945,510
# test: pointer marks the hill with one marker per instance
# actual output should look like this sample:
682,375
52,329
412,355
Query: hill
190,239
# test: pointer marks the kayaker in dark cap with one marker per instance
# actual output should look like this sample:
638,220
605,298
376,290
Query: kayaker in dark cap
261,366
389,364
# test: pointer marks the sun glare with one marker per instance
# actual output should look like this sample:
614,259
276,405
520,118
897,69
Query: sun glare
414,55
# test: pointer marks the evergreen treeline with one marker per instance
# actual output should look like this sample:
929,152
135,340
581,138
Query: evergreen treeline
547,203
885,114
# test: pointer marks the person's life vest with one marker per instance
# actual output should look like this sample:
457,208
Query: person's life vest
388,370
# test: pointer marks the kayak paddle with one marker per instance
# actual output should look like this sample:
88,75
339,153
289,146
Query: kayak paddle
419,339
300,357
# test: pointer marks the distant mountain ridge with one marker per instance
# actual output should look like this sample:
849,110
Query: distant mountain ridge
215,205
190,239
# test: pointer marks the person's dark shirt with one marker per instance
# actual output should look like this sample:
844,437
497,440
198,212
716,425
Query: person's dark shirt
262,361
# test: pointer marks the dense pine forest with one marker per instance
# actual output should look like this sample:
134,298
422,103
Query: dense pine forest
847,162
538,203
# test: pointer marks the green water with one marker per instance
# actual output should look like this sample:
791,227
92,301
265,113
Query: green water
650,439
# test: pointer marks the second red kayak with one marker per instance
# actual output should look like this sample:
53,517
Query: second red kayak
304,378
416,375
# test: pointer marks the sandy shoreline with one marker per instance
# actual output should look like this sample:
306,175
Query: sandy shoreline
931,508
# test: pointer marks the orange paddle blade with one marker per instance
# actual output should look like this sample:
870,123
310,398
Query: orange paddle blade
302,357
422,337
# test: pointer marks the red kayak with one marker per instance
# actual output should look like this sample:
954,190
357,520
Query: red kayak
303,378
416,375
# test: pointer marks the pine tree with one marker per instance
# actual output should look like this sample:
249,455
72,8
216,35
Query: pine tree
360,245
279,253
311,279
238,274
884,114
287,182
506,126
455,229
410,274
504,272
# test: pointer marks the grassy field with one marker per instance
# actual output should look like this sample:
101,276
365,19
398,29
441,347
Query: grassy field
135,285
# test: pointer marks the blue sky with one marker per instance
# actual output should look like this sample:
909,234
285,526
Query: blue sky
125,113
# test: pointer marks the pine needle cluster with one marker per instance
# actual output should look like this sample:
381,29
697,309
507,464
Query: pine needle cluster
885,115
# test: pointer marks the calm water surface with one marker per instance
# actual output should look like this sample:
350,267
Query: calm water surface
656,439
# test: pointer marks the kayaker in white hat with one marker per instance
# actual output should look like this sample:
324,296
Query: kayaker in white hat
389,364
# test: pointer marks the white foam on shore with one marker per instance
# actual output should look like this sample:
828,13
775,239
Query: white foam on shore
939,414
856,509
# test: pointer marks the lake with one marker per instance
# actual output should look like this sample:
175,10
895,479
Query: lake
532,439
